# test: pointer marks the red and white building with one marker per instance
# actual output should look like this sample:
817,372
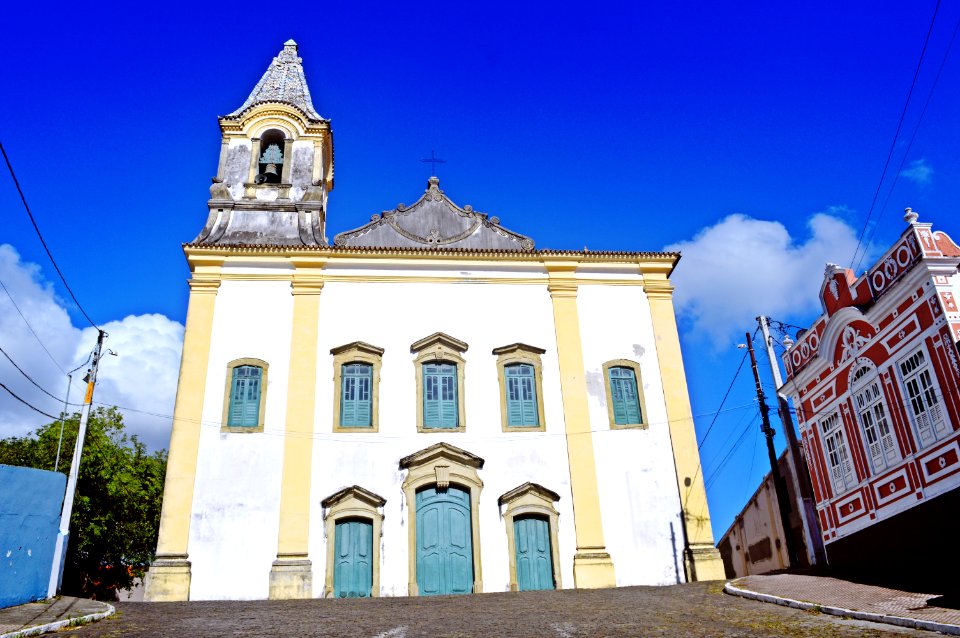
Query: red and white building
876,385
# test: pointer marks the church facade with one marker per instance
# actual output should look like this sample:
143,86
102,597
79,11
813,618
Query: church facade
428,404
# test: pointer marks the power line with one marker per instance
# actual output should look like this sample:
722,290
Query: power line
35,336
40,235
30,379
913,136
729,388
893,143
726,459
32,407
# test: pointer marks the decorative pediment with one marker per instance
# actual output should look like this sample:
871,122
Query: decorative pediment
529,489
518,347
440,340
358,346
353,492
434,221
441,451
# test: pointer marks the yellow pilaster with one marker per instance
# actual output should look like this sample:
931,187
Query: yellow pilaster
701,559
169,576
291,575
592,565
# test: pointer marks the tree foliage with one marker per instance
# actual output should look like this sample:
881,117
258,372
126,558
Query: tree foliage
116,513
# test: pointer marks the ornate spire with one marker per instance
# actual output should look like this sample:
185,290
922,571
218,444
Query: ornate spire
283,82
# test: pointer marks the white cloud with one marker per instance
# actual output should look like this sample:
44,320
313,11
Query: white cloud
742,267
918,171
143,376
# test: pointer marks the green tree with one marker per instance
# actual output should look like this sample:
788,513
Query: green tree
116,514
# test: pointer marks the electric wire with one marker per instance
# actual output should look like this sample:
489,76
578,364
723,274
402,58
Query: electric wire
30,379
913,136
26,403
40,235
32,331
893,144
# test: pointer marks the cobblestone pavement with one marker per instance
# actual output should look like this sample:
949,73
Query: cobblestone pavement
698,609
854,596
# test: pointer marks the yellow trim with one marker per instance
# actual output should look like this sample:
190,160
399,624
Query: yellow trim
441,347
646,262
592,565
701,559
531,500
520,353
291,575
441,460
358,352
169,577
633,365
353,503
264,366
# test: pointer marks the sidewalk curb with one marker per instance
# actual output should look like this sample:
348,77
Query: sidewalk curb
899,621
60,624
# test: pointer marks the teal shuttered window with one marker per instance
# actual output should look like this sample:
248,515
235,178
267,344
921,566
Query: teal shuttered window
356,395
245,397
521,395
440,395
626,399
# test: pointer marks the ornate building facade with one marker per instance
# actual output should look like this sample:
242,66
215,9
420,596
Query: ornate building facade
426,405
876,382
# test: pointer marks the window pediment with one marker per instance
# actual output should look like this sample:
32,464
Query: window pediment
518,348
440,341
439,451
531,489
353,492
358,346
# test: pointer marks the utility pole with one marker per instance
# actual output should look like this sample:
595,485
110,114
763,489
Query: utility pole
783,498
60,551
799,474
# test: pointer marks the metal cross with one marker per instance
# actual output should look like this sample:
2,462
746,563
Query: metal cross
434,160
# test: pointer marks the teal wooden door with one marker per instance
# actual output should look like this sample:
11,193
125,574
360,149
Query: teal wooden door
444,542
353,559
534,558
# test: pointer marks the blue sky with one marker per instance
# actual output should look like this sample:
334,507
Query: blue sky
750,136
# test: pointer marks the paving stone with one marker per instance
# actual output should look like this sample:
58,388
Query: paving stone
697,609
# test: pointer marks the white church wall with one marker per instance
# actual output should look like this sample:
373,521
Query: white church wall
238,475
236,513
393,316
640,506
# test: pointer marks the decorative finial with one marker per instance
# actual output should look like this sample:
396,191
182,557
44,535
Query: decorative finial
290,43
787,342
831,268
909,215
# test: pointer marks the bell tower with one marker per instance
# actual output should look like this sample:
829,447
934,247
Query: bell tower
276,165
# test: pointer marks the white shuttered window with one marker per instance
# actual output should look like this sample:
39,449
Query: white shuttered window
842,476
923,398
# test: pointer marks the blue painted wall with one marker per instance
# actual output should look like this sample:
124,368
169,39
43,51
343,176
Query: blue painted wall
30,502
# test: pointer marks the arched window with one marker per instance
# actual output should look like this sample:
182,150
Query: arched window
270,162
521,393
356,395
624,398
440,395
356,377
440,374
871,410
245,395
